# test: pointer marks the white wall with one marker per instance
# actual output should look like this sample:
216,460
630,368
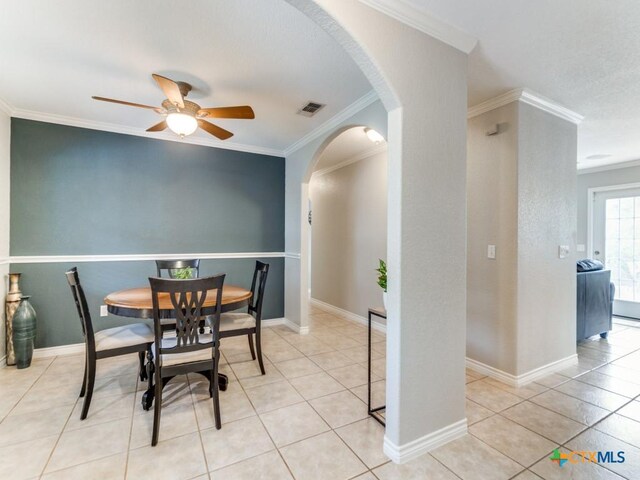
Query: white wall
547,217
5,136
522,198
349,234
492,210
299,166
424,90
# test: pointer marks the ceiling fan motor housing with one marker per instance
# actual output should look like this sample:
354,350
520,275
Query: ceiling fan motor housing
190,108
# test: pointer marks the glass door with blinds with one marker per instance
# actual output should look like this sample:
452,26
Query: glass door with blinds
616,243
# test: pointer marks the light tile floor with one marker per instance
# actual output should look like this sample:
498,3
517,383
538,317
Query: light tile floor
307,419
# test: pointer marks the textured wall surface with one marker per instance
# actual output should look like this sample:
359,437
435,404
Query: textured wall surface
78,191
492,212
349,234
5,140
85,192
522,198
547,217
424,91
299,166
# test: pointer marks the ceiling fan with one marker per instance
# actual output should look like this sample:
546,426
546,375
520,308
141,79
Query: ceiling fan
184,117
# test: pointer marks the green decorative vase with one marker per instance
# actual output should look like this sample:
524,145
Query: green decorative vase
24,332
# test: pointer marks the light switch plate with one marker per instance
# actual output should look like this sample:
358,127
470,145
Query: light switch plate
581,248
563,251
103,311
491,252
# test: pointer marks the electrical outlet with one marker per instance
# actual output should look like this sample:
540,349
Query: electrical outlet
491,252
103,311
563,251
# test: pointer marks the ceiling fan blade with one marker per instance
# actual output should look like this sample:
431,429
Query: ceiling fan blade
122,102
215,130
245,112
170,89
158,127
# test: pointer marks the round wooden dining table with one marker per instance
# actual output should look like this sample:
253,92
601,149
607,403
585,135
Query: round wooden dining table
138,303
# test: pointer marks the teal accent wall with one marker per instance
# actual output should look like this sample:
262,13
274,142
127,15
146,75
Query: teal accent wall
58,322
76,191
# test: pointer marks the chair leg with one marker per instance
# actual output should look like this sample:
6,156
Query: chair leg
253,352
84,379
143,371
259,348
156,408
150,370
216,395
90,380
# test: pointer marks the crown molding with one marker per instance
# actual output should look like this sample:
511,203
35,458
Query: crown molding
139,132
421,19
333,122
610,166
525,95
5,107
353,159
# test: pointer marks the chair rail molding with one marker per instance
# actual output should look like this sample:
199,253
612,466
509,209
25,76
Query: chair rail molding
529,97
139,257
421,19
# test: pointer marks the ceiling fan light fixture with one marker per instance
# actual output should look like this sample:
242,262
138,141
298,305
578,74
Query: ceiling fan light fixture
182,124
373,135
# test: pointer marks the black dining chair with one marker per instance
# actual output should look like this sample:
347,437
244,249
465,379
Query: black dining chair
180,269
238,324
111,342
189,351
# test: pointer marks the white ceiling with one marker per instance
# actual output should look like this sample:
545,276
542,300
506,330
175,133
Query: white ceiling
55,55
347,146
265,53
582,54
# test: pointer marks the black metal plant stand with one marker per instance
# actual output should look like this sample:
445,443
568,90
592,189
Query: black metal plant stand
375,411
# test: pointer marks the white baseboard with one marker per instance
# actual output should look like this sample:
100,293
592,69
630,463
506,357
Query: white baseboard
272,322
422,445
73,349
347,315
295,327
525,378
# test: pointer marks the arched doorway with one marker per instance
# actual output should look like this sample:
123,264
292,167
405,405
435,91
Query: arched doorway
348,223
423,95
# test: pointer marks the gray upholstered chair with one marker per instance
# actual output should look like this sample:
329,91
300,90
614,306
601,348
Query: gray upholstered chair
595,293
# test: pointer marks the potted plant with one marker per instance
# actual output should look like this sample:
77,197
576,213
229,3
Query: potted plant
181,273
382,280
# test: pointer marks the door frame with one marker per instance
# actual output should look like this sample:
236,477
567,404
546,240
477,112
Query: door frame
591,197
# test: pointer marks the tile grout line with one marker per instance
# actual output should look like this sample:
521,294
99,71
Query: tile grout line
195,413
55,446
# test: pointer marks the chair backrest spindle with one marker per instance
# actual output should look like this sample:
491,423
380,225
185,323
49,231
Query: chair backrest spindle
171,266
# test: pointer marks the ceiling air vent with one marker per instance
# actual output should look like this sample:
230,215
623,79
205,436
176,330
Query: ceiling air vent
310,109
